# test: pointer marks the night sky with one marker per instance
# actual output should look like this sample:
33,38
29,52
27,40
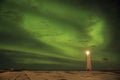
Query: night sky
54,34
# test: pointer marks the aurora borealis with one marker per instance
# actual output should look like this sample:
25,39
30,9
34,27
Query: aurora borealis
54,34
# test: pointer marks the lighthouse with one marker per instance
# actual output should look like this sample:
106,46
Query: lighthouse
88,59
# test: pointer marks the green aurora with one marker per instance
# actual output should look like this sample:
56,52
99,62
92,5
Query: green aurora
44,34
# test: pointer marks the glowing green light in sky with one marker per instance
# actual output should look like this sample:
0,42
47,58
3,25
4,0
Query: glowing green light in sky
58,25
53,30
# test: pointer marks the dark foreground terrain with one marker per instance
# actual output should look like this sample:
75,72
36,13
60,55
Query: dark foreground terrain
59,75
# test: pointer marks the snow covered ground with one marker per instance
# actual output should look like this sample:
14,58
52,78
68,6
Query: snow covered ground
59,75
